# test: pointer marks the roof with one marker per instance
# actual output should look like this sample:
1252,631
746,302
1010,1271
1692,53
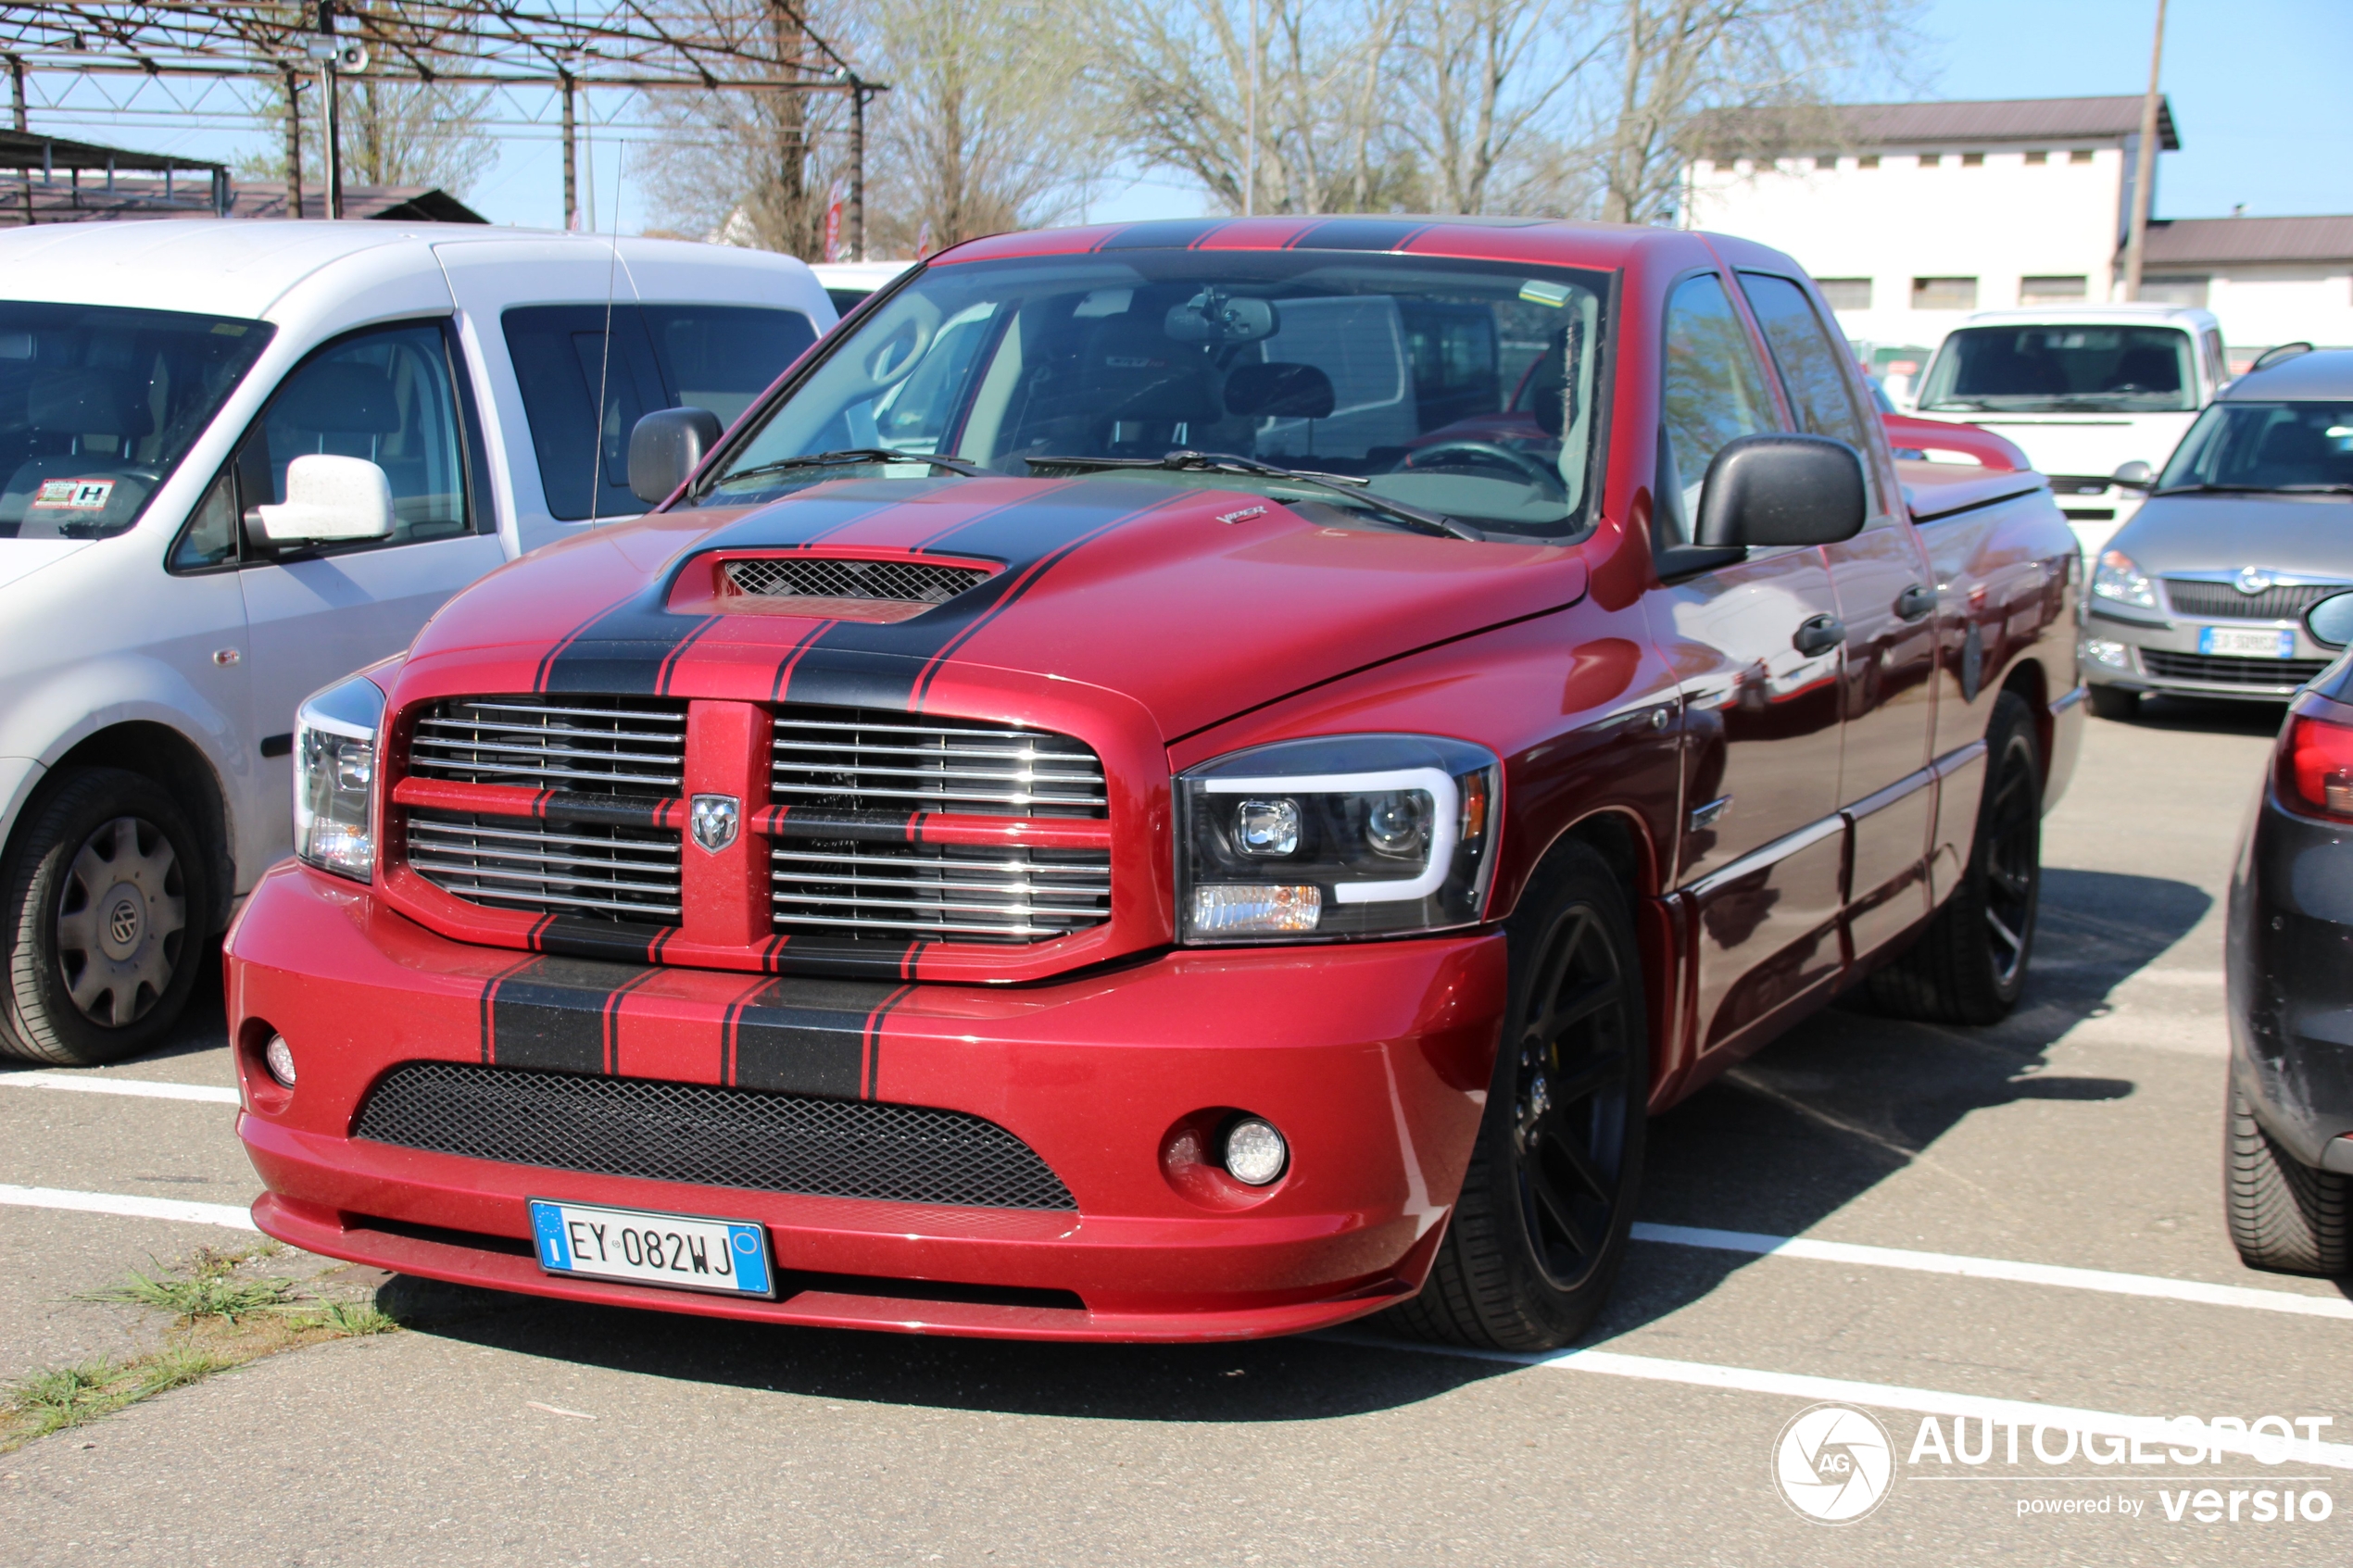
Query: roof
60,200
2150,311
2208,241
1957,124
1539,241
22,149
2323,373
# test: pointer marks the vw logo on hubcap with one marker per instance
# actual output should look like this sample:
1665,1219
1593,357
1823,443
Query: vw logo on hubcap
2252,579
123,922
716,819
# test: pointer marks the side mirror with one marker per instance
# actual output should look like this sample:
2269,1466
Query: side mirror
2134,475
667,445
2330,620
1781,490
329,500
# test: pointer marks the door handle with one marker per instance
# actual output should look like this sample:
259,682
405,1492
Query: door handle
1915,601
1820,635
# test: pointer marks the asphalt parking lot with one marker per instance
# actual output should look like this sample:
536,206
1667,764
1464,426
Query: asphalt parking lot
1969,1199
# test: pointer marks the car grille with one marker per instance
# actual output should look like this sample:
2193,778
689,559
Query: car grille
706,1136
2221,601
855,760
945,892
586,744
822,578
583,869
2276,674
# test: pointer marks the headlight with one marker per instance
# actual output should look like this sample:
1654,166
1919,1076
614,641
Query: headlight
2117,578
1348,835
335,778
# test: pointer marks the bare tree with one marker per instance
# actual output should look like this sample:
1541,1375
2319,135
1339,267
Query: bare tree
390,134
1486,82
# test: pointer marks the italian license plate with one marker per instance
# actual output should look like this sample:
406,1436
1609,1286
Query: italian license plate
682,1251
2237,642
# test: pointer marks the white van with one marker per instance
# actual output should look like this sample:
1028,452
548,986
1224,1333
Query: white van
2085,389
243,459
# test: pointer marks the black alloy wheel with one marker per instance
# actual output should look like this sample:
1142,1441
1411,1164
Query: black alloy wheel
1539,1229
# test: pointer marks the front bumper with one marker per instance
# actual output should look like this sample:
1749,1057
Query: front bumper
2163,657
1372,1059
2290,977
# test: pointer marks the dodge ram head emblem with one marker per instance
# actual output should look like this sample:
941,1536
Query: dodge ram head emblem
715,817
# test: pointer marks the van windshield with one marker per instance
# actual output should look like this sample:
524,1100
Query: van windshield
2063,370
1458,388
98,405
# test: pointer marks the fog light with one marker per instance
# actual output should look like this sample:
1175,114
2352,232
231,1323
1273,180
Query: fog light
2104,650
278,1056
1254,1152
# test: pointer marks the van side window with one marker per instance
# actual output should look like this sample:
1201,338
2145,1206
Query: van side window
386,395
1715,394
1809,360
210,539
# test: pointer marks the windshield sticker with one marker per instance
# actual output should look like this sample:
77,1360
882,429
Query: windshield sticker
1537,292
73,494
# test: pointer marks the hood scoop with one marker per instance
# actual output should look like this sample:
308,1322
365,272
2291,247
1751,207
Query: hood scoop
881,588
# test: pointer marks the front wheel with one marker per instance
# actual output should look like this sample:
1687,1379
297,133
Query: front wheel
103,911
1540,1229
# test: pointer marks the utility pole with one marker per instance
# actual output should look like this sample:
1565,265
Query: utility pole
2144,167
330,107
571,176
792,49
857,170
294,146
1250,159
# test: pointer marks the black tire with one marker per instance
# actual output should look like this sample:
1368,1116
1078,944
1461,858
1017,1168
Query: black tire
2115,702
1540,1229
1969,965
2285,1216
103,909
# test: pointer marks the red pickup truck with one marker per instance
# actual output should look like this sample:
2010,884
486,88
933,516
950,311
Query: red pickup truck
1124,799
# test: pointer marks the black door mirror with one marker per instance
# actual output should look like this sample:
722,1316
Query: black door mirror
2330,620
1781,490
667,445
2134,475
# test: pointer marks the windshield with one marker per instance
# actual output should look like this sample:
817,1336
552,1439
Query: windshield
2063,371
1462,389
97,407
2266,446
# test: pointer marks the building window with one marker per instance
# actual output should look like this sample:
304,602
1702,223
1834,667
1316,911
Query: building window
2081,154
1943,293
2053,290
2175,291
1868,160
1845,294
1930,160
1972,161
1826,163
2038,158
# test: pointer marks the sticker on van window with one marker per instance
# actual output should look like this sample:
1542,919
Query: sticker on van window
73,494
1537,292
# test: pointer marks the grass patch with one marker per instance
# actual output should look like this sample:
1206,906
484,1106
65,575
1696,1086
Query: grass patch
225,1315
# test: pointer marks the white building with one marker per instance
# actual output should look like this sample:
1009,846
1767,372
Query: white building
1912,215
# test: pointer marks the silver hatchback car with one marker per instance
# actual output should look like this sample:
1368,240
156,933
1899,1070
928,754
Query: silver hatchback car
2249,525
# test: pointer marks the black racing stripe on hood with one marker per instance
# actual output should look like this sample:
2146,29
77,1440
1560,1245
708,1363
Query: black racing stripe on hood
1357,233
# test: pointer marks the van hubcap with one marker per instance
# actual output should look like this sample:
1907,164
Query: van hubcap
121,919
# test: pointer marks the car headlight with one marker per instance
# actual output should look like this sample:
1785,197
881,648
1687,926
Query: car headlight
2117,578
1345,835
335,778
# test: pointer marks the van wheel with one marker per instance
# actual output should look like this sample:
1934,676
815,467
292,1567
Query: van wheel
1540,1229
103,914
2284,1216
1969,965
2115,702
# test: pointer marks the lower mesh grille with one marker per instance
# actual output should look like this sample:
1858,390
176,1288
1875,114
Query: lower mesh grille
709,1136
2272,673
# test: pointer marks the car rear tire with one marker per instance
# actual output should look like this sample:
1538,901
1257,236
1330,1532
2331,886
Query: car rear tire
2115,702
2284,1215
1540,1229
1969,965
103,906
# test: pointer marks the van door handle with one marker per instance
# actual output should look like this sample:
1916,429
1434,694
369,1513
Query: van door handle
1915,601
1820,635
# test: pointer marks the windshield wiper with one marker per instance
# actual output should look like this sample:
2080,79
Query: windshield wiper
849,456
2259,489
1350,485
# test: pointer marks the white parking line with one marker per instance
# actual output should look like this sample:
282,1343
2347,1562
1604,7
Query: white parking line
1998,1268
2024,1414
142,1087
227,1214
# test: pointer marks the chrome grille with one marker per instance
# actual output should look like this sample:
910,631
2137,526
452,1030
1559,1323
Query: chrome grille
2221,601
587,745
943,892
2275,674
578,869
856,760
902,581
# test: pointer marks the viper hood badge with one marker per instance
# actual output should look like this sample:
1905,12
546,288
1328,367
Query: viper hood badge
716,819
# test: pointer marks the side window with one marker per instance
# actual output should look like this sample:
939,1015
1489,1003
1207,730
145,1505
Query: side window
1715,395
1810,361
387,395
209,538
721,356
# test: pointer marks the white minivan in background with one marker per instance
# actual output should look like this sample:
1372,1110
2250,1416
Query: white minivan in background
2085,389
239,459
